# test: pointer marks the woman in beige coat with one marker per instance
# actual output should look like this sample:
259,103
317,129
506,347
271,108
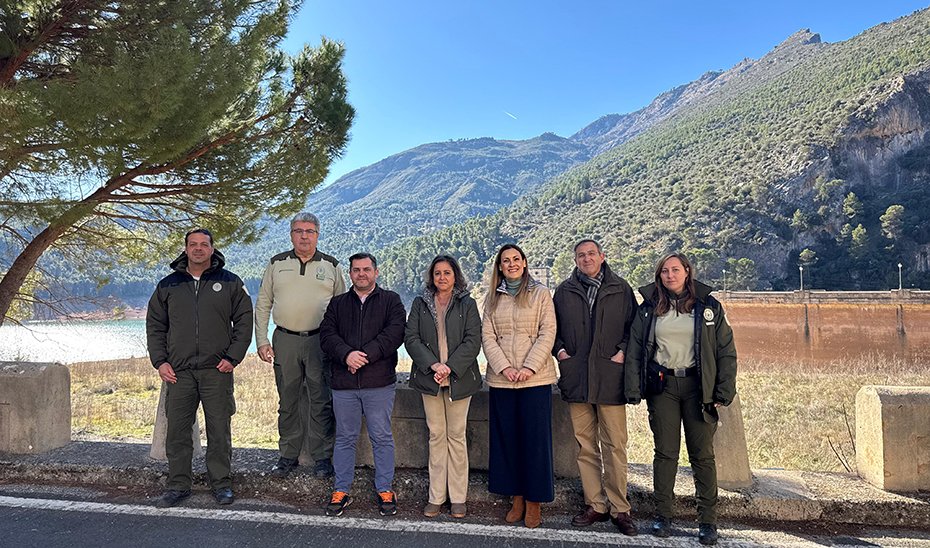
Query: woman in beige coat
518,332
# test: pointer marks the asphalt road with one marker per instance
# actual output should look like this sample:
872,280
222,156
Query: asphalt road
32,520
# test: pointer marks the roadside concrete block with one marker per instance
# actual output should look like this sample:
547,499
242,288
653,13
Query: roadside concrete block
160,433
564,446
35,407
893,437
730,451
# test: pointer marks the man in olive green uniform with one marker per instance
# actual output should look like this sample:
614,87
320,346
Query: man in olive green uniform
198,326
296,288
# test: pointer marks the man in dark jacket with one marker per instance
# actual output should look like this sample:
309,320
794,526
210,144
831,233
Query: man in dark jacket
594,309
361,332
199,326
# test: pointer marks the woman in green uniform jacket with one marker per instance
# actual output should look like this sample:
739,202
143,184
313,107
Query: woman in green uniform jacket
682,360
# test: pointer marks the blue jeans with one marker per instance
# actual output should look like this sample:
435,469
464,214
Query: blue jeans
376,404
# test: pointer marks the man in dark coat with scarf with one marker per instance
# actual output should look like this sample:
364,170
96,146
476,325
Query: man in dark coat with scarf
594,309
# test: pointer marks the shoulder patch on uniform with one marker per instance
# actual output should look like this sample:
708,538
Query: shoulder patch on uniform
708,314
281,257
328,258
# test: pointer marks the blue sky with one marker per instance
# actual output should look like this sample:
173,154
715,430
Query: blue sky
423,71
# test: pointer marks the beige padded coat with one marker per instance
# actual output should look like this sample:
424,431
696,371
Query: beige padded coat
520,337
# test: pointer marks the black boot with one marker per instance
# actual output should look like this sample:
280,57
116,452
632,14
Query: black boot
707,534
662,527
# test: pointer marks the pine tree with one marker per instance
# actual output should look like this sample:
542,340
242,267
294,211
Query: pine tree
893,222
126,123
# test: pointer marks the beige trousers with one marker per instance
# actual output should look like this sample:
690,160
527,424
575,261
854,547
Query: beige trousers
600,431
448,451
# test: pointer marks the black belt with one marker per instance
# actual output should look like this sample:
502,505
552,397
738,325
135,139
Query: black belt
310,333
686,372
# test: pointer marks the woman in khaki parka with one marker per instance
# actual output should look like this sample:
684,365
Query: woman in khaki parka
518,332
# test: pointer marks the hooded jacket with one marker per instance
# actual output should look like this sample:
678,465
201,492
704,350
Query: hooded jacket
463,339
592,338
714,349
193,325
375,327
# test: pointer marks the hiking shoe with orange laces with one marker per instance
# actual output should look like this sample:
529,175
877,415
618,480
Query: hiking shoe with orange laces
387,503
337,504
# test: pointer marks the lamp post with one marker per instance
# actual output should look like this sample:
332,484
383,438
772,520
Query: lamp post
801,271
899,277
724,280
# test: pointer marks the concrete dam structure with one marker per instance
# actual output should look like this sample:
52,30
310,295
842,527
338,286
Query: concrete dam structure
829,325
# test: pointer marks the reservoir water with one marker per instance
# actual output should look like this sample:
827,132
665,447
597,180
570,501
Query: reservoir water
79,341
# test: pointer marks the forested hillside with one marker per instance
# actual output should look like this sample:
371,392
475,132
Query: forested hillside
814,155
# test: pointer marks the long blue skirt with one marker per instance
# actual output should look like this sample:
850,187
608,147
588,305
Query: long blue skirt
520,448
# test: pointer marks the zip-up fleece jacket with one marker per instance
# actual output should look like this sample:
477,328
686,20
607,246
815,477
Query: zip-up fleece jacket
194,326
520,337
463,341
375,328
591,339
714,349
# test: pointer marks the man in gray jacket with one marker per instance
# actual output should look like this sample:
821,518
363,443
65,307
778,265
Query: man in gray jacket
198,326
594,309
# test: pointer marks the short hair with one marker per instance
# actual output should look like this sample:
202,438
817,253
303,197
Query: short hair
456,271
587,241
198,231
306,217
361,256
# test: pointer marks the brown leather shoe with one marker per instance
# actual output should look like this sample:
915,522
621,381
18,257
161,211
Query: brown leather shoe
516,510
533,515
589,516
626,525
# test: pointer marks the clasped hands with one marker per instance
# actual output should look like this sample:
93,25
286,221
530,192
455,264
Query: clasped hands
441,372
356,360
517,375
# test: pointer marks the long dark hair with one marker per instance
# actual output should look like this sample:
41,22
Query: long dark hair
497,275
685,301
456,271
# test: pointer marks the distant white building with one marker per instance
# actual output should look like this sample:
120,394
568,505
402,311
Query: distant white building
543,275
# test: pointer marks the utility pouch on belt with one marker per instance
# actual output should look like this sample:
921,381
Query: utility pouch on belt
655,379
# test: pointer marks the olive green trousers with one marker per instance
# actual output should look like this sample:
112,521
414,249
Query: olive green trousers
680,405
214,390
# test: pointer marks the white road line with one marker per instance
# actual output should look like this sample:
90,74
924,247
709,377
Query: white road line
394,525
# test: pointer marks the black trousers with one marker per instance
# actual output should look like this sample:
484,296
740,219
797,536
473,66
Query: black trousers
520,448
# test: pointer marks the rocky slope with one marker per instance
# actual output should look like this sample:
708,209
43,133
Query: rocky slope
808,148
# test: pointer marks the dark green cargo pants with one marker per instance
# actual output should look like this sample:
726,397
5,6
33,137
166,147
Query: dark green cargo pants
680,404
215,390
305,408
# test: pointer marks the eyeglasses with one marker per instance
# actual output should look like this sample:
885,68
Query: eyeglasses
301,232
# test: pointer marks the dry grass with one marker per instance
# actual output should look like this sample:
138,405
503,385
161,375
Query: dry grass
792,411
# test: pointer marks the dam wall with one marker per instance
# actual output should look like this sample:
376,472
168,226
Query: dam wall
829,325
